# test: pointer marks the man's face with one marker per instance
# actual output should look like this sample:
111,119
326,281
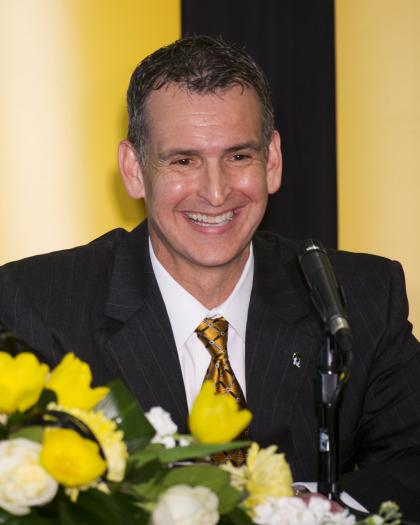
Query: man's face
206,179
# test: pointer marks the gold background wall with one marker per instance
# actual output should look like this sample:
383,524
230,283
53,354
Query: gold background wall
378,124
65,67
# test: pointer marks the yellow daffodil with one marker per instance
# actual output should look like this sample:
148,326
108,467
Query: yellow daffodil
22,379
71,459
265,474
217,418
71,381
108,435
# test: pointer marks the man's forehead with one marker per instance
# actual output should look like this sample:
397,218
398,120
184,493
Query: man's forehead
181,120
176,91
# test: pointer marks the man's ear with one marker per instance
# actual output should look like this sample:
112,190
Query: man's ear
274,164
130,169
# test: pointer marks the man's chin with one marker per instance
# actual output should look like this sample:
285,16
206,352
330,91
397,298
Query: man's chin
222,260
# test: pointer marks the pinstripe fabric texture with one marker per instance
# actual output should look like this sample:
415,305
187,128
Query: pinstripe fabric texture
102,302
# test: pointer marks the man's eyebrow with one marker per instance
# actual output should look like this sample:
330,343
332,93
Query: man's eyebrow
177,152
256,146
184,152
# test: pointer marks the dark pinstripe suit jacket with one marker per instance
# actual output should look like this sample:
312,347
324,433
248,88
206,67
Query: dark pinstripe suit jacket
102,302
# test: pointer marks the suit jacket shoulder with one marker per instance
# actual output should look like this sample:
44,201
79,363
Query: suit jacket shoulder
47,291
368,280
56,301
102,302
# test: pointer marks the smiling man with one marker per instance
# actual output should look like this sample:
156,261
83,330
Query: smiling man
195,291
206,179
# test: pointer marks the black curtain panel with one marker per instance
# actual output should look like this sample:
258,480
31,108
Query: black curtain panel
293,40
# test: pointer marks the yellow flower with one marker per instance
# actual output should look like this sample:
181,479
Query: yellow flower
108,435
71,380
266,474
71,459
216,418
21,381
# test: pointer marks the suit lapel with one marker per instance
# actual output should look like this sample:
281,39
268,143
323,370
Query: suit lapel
282,345
140,341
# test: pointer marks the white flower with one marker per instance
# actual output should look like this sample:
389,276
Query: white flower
294,511
185,441
165,428
24,482
166,441
185,505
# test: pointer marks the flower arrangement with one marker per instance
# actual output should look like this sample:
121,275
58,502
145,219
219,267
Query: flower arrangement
72,454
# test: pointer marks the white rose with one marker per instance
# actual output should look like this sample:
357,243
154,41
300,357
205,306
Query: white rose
23,481
165,428
185,505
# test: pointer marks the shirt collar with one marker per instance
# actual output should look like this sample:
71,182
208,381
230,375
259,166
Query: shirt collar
186,313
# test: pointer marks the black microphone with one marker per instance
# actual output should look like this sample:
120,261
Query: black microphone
326,294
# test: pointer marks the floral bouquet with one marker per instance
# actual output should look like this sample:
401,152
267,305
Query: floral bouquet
71,454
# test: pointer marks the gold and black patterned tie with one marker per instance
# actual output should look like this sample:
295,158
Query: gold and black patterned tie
213,333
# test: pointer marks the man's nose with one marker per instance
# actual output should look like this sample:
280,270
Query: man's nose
215,184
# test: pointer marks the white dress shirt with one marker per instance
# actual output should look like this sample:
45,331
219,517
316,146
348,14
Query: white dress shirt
186,313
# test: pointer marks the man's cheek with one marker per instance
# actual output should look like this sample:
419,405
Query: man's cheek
253,181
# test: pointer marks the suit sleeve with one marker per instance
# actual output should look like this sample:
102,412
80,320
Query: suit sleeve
388,436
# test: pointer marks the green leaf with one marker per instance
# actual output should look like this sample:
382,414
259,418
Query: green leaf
16,421
172,455
239,517
29,519
228,499
32,519
146,477
47,396
150,490
148,453
3,434
209,476
33,433
197,450
5,516
96,508
33,417
121,406
143,473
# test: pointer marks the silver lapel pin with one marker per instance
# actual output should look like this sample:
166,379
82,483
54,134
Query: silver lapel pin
296,359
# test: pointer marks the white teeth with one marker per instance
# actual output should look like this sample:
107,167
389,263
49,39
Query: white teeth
208,220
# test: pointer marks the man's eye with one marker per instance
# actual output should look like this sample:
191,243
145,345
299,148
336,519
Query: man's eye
240,156
182,162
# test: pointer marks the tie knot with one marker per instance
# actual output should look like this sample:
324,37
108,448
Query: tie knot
213,334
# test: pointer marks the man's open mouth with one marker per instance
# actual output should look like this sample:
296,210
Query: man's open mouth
210,220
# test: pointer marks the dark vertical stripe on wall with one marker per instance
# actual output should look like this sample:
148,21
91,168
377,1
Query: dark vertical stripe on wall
293,40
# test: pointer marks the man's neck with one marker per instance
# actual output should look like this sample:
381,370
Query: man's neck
211,286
